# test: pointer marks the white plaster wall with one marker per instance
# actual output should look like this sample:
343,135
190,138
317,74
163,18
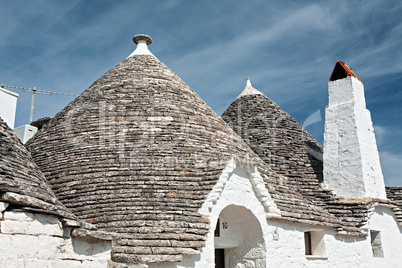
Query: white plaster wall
289,250
39,240
341,251
250,250
383,220
351,160
8,106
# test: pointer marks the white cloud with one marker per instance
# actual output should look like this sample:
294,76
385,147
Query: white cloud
380,133
391,164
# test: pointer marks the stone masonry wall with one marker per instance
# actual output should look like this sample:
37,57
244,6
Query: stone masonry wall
39,240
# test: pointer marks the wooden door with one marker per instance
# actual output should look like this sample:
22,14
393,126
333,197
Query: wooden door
219,258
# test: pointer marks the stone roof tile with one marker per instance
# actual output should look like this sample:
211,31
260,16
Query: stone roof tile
137,154
21,181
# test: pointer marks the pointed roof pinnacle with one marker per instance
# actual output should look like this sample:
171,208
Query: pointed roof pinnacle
342,70
142,42
249,89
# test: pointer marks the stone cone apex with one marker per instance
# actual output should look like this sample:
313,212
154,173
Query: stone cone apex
142,41
249,89
351,161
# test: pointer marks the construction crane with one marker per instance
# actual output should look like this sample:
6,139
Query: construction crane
34,91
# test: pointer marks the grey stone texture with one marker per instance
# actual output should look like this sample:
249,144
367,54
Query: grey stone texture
395,195
136,154
21,181
289,150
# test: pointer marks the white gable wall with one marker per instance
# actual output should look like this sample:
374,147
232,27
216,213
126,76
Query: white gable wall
383,220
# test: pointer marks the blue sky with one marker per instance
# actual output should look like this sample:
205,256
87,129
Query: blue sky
288,48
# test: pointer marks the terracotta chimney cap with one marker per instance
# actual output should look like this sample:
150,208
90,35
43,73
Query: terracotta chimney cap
342,70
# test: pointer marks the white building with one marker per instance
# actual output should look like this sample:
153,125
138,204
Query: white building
140,159
8,106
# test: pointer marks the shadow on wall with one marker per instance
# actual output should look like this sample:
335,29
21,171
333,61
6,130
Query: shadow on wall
241,238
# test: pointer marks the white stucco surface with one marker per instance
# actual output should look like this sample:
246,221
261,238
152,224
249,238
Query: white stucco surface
8,106
236,199
25,132
383,220
351,161
39,240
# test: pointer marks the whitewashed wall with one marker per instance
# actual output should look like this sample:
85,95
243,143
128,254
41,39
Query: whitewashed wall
39,240
239,194
351,161
8,106
383,220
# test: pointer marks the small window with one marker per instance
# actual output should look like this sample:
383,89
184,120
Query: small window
376,244
314,243
307,243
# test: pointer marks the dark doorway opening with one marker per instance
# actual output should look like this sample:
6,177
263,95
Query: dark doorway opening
219,258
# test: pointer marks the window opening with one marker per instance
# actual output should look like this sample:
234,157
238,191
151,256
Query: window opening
376,244
314,243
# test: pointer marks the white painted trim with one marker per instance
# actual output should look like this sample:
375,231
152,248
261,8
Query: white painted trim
256,181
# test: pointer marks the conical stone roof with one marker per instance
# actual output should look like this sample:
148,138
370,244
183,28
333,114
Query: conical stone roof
21,182
276,137
289,150
395,195
137,153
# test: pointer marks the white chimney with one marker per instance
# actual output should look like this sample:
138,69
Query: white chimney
8,106
351,161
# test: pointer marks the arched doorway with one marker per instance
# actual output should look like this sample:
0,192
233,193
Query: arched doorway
238,239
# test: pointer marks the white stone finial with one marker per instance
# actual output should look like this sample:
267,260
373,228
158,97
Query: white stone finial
248,83
142,42
249,90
